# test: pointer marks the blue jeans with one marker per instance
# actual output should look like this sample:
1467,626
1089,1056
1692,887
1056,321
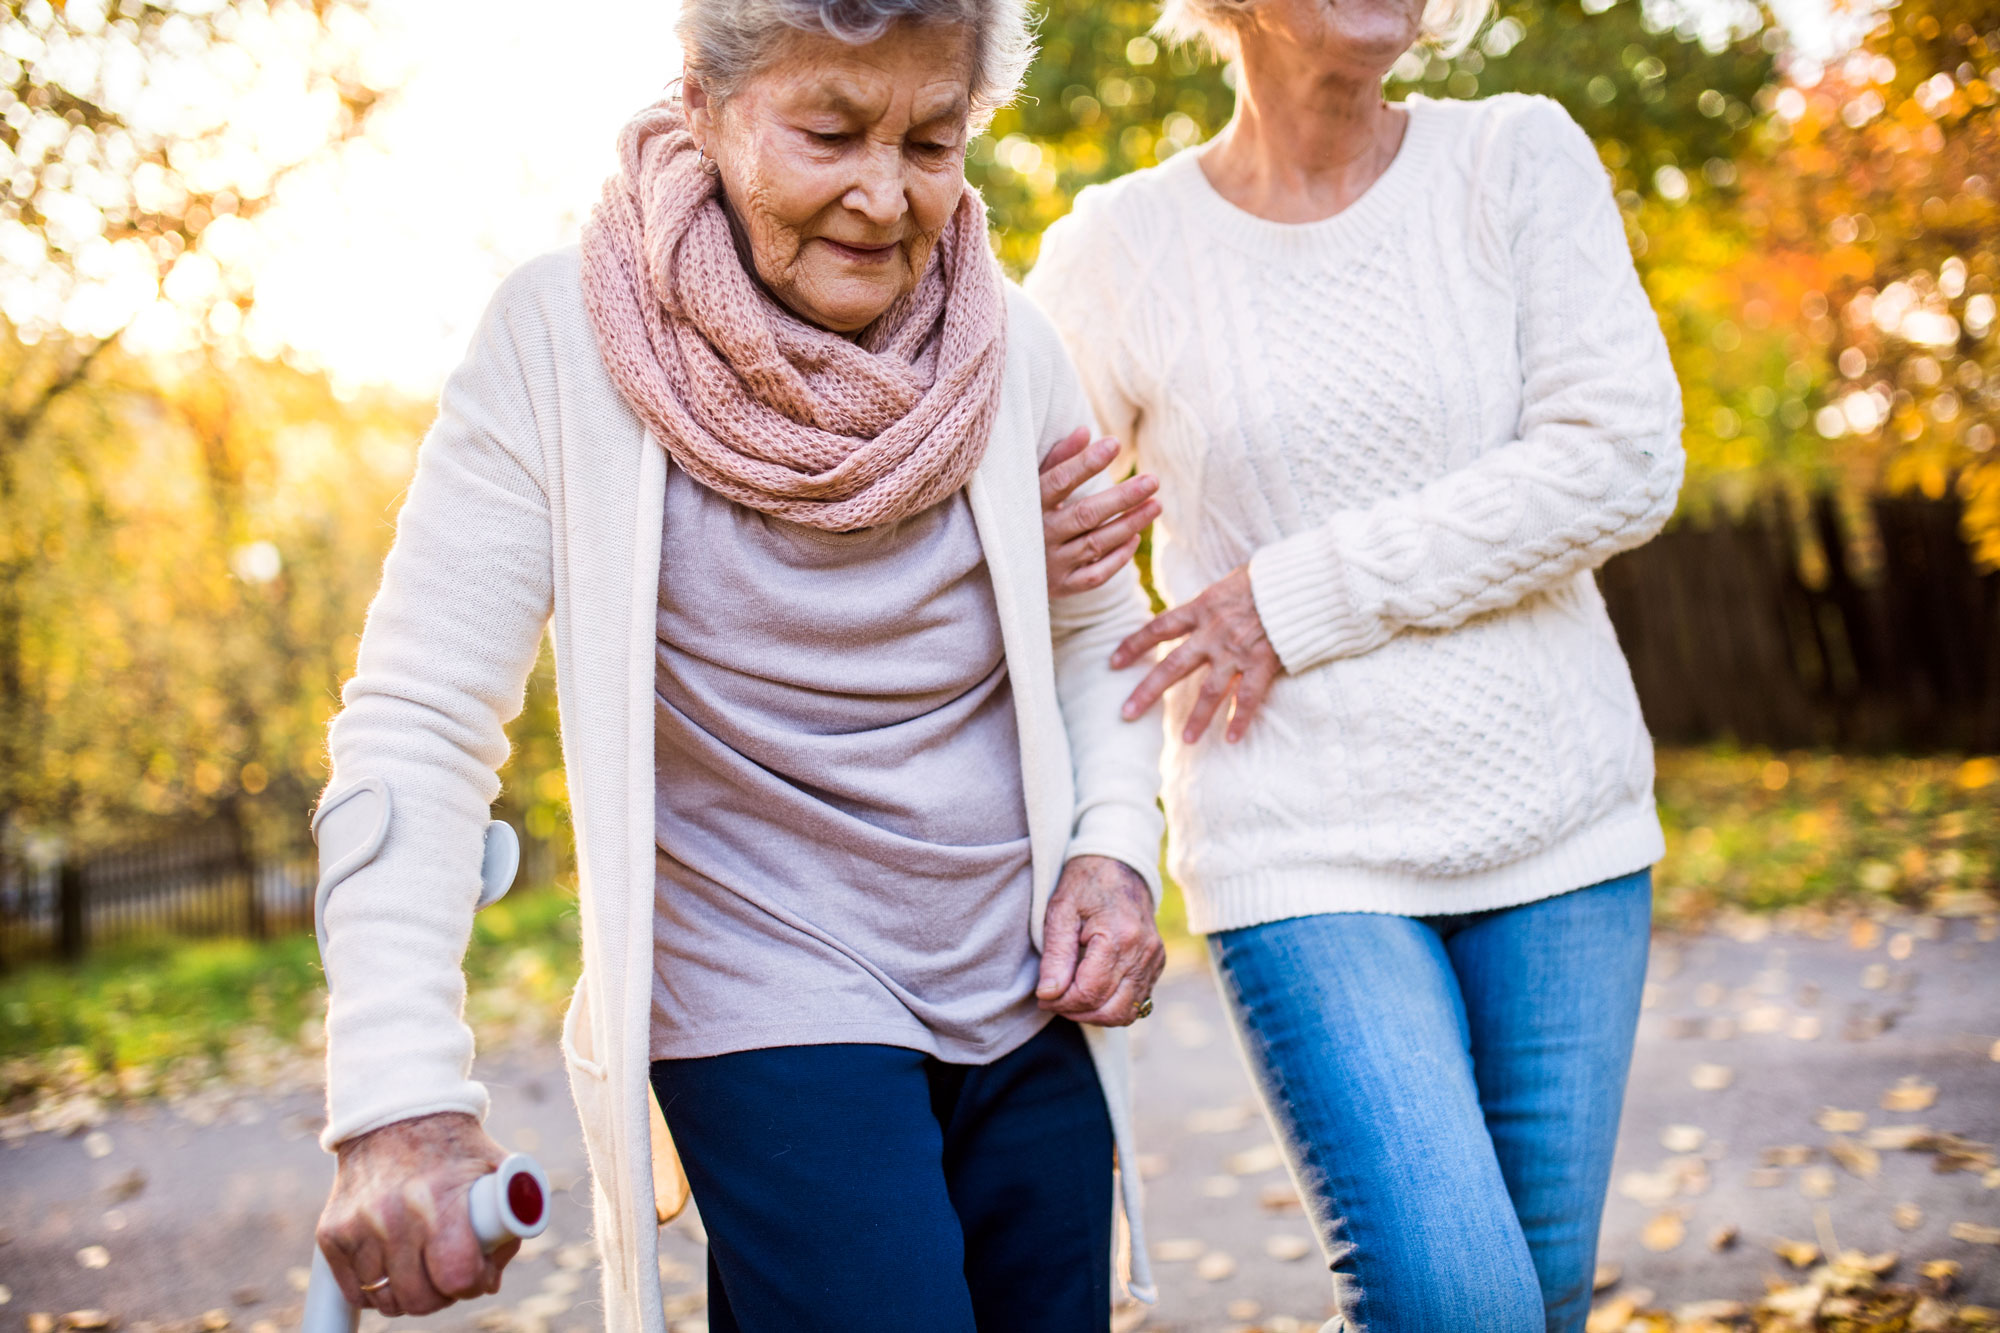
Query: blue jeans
872,1189
1448,1091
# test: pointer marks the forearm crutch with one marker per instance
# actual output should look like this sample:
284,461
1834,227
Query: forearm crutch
512,1203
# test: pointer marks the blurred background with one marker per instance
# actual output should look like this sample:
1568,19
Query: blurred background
243,241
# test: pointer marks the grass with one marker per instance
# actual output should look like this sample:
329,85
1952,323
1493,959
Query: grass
168,1016
1753,831
1747,831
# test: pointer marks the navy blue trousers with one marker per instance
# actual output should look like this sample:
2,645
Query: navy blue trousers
876,1189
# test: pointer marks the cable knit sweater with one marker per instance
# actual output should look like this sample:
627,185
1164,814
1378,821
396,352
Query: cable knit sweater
1423,422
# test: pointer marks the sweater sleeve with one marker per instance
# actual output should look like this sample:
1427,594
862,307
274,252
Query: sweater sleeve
1115,763
451,637
1075,286
1595,470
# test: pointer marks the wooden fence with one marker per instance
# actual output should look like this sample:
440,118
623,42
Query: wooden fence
1778,627
205,880
202,881
1791,626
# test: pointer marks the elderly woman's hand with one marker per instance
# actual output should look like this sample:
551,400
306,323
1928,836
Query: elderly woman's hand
1223,636
1090,539
1101,952
398,1210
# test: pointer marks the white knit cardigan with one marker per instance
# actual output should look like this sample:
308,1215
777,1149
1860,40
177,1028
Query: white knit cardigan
537,499
1422,423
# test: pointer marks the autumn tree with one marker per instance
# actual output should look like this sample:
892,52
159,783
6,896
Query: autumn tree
138,139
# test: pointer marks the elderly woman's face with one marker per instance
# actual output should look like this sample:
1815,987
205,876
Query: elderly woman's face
843,164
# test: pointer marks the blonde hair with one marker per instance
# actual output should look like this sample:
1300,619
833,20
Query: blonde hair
1447,25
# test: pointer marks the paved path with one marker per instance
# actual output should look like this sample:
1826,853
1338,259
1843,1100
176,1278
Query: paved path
159,1221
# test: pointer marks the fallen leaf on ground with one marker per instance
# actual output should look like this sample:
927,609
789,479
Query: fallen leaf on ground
1911,1093
1244,1309
1766,1177
1941,1275
1219,1187
87,1319
1725,1238
1605,1277
1683,1138
1898,1138
215,1321
1860,1261
1712,1312
1612,1316
1254,1161
1764,1018
95,1144
1901,945
1817,1182
1179,1251
1215,1266
1806,1027
1649,1187
1874,976
1711,1078
93,1256
1976,1233
1864,934
40,1322
1859,1159
1279,1198
1797,1253
1835,1121
1907,1216
1786,1154
1664,1232
1286,1248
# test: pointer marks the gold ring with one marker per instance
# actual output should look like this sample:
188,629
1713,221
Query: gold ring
1144,1009
376,1285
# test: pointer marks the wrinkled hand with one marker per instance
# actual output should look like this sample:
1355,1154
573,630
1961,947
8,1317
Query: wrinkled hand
1101,953
1090,539
1223,637
398,1210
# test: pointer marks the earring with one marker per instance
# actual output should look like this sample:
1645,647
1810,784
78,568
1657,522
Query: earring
708,166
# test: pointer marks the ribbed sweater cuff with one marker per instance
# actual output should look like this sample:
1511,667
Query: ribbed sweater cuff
1301,589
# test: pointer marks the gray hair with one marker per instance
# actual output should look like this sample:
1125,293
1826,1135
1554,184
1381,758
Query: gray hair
1448,25
725,42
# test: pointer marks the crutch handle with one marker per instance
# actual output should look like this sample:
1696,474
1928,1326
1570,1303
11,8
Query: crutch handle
510,1203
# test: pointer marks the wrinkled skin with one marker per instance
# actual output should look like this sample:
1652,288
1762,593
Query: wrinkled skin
1101,953
842,164
398,1210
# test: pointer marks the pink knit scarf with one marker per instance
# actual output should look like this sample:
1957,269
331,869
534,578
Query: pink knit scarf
755,403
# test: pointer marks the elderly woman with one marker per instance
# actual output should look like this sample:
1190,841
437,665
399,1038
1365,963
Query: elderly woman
1403,393
867,857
